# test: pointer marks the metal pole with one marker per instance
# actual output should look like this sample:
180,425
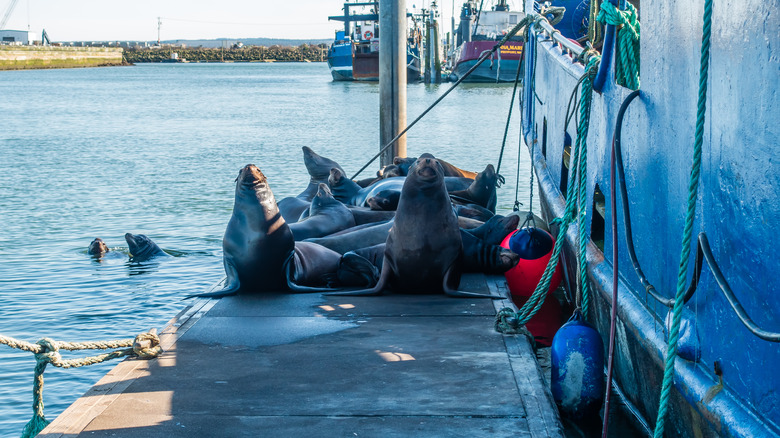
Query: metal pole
392,78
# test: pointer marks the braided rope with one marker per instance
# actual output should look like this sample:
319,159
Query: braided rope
47,351
627,47
693,189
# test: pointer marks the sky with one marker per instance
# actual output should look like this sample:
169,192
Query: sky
107,20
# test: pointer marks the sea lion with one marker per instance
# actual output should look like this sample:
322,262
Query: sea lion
386,200
311,267
361,236
403,165
496,228
142,248
364,215
326,216
97,248
473,211
257,241
481,192
350,192
319,169
424,247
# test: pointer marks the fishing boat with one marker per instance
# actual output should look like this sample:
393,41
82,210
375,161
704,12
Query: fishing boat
354,53
680,240
478,31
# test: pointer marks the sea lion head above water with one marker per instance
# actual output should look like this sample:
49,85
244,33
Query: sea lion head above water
97,247
142,248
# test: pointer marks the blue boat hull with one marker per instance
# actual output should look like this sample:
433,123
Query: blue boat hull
738,207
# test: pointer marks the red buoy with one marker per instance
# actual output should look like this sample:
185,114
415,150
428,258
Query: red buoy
546,322
535,247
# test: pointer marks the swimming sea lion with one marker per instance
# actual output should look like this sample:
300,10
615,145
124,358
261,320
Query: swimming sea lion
257,240
97,247
319,169
142,248
424,247
326,216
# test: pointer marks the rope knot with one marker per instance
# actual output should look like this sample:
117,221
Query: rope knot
507,322
50,351
147,345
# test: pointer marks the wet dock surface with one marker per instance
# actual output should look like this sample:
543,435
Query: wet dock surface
310,365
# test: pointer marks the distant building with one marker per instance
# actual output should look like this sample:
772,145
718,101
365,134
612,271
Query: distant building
15,37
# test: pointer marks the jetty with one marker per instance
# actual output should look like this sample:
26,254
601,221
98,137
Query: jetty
316,365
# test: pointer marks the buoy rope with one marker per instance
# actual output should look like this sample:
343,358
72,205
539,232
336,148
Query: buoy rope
556,12
690,216
508,320
627,44
145,346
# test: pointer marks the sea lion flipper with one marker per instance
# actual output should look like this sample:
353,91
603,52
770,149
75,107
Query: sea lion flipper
289,274
231,286
376,290
448,288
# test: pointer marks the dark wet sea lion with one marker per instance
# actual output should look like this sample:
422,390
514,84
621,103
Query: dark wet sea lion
481,192
364,215
350,193
496,228
424,247
364,236
319,169
386,200
97,247
142,248
257,240
473,211
311,267
404,164
326,216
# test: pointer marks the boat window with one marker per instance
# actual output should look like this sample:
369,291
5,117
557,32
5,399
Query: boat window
598,216
565,163
512,19
544,138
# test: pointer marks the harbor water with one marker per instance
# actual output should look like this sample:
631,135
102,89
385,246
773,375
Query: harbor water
154,149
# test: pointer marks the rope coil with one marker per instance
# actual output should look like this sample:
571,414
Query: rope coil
47,351
627,44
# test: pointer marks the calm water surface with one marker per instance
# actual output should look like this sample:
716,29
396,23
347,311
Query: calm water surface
154,149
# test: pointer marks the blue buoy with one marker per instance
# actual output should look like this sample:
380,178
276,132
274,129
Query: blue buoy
578,368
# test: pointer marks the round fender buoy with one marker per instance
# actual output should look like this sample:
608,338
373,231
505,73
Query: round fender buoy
577,379
535,247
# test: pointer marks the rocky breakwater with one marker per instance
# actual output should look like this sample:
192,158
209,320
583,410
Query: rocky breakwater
302,53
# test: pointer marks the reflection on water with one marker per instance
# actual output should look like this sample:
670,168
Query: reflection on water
156,148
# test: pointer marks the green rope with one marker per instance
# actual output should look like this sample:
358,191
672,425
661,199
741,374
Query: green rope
507,320
146,346
627,45
693,189
595,29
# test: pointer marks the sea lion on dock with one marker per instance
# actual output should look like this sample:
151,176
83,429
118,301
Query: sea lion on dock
404,164
257,241
481,192
359,237
386,200
97,248
142,248
311,267
423,249
319,169
326,216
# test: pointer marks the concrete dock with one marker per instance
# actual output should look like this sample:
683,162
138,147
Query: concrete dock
310,365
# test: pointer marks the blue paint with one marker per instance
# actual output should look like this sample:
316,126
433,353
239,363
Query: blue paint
530,243
739,206
578,368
